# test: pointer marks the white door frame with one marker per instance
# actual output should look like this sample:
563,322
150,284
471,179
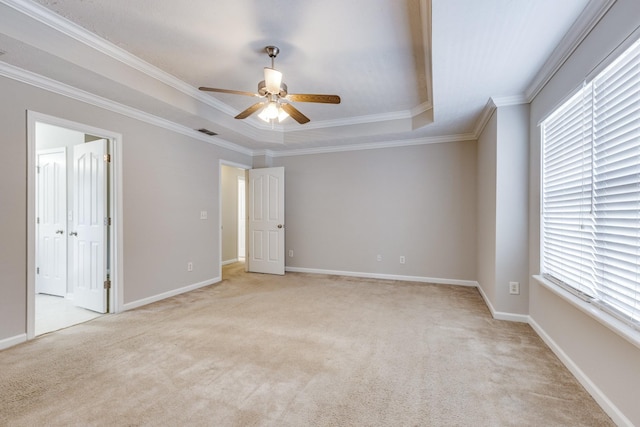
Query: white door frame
222,162
116,302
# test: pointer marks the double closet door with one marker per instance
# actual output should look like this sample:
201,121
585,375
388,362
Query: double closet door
72,235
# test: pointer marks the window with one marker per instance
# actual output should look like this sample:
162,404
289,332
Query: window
591,190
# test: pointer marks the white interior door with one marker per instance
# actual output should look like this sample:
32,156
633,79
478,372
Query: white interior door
266,220
51,228
89,234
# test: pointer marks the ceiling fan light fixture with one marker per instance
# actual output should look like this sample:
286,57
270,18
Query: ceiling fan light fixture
270,112
282,115
273,80
263,116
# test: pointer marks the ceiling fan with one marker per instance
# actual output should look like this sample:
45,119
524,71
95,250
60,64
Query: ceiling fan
276,104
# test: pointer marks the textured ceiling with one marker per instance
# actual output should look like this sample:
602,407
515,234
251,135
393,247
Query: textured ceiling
406,70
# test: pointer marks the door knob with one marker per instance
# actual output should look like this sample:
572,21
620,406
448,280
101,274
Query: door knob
59,231
280,225
73,233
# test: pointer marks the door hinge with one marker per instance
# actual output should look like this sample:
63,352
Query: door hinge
107,158
38,220
107,284
107,221
37,169
37,270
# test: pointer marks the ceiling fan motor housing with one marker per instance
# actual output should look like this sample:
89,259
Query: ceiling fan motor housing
262,89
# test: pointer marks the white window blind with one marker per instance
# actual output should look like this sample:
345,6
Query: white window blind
591,190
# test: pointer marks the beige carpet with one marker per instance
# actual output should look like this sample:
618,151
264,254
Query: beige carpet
298,350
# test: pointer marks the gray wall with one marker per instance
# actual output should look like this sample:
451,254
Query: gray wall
13,212
343,209
512,180
592,351
502,251
486,219
168,179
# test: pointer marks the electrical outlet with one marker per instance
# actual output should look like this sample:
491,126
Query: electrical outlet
514,288
379,258
290,253
402,259
189,266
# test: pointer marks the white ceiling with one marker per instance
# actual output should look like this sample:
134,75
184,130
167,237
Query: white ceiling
408,71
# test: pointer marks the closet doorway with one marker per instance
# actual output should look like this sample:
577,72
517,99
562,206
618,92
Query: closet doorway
72,236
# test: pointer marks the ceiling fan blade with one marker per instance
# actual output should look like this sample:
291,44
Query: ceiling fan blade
295,113
249,111
234,92
309,97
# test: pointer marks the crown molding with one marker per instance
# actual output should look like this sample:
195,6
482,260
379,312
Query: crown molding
59,88
314,125
421,108
590,16
507,101
490,107
50,85
78,33
368,146
427,23
485,115
93,41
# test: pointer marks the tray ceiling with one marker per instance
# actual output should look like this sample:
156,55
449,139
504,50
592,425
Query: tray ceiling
410,71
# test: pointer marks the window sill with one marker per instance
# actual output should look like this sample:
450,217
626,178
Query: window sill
620,328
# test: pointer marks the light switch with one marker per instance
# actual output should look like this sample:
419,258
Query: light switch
203,214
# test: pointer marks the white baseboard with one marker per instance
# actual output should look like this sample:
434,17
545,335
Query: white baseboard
149,300
612,410
11,341
511,317
230,261
384,276
501,315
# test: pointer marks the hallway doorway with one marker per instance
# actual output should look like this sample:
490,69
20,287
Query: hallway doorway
233,213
